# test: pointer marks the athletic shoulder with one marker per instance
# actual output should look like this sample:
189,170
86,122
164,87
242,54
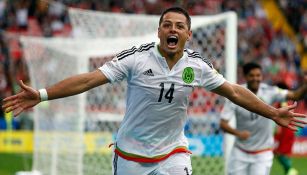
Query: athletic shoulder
196,55
267,87
272,90
141,49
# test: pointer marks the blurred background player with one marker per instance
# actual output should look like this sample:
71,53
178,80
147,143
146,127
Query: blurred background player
284,140
252,153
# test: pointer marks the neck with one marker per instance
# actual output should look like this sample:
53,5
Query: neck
170,56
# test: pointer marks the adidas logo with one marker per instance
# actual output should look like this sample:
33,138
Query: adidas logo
149,72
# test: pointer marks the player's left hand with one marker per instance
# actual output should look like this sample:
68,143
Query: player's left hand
289,119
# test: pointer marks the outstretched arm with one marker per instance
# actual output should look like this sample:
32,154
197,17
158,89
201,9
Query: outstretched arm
298,93
30,97
246,99
227,128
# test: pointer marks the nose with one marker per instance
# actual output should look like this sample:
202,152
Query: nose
173,28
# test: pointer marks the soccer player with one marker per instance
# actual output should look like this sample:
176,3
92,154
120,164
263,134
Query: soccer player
284,140
252,152
161,77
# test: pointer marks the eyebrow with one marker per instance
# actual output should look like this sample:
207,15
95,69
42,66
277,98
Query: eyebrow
179,22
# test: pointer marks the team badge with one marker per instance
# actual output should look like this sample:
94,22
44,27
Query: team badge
188,75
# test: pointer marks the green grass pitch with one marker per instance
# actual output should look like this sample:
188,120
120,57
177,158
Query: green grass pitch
11,163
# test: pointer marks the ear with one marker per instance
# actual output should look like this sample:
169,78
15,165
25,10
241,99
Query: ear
189,35
159,31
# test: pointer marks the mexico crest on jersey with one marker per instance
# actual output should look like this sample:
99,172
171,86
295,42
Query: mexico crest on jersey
188,75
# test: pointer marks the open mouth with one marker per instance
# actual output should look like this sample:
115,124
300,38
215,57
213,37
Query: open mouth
172,41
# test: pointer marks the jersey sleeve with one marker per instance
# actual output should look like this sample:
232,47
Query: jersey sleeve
279,95
228,110
211,79
118,68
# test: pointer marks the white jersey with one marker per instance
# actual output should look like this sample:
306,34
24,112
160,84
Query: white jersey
260,128
157,99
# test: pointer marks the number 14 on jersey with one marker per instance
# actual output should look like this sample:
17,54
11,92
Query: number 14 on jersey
169,94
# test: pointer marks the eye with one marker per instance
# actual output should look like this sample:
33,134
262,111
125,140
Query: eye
180,26
166,25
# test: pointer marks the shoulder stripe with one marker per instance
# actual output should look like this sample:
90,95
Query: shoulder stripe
131,50
146,47
131,53
126,51
193,54
143,47
206,60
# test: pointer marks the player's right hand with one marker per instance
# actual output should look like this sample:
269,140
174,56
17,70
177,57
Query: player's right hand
25,99
244,135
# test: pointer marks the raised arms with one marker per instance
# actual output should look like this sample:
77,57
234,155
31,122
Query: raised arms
246,99
29,97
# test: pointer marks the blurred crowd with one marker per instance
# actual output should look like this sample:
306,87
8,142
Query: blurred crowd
296,14
257,39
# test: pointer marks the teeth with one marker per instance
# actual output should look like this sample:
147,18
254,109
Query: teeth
172,37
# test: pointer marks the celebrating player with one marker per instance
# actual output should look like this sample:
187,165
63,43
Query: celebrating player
161,77
252,152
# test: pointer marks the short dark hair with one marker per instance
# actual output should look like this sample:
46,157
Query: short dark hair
249,66
177,10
